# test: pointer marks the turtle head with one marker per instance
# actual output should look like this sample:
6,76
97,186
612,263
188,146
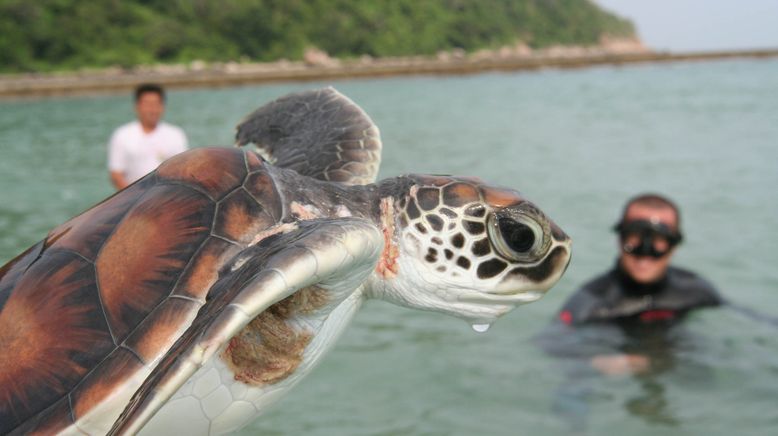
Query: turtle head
465,248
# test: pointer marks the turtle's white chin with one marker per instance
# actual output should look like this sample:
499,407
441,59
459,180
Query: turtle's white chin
485,308
515,299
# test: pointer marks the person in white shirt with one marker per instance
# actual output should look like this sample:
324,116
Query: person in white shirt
138,147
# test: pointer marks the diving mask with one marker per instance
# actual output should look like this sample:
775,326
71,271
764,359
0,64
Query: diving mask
647,238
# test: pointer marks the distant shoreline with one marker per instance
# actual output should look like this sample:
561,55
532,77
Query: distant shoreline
233,74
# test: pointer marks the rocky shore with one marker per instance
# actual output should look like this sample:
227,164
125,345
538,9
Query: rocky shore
317,65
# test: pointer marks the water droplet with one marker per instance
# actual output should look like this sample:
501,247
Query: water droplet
480,328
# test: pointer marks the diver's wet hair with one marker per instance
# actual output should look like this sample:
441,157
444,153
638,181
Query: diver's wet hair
655,201
149,88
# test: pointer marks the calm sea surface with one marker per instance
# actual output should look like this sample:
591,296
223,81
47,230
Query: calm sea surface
576,142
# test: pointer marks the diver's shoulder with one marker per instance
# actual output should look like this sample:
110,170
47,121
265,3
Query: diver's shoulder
688,276
690,281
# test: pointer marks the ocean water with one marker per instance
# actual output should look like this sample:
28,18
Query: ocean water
578,143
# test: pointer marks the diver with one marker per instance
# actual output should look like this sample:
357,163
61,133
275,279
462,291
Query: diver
626,320
642,289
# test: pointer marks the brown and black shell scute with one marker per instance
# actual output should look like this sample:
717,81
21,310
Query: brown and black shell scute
110,290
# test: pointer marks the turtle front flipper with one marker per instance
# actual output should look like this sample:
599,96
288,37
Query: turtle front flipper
319,133
335,256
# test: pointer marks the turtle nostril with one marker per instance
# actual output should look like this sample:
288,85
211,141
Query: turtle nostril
518,236
558,233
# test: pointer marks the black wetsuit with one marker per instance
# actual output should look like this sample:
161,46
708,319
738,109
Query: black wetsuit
615,297
614,314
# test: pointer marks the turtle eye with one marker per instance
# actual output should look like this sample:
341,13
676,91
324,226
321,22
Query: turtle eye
516,237
519,236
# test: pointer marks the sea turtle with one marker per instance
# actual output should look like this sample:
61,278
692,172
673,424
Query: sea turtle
195,297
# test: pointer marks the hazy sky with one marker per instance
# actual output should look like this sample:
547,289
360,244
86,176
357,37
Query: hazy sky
688,25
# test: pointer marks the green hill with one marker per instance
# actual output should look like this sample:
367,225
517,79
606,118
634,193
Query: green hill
45,35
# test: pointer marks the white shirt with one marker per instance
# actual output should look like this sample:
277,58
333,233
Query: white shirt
135,153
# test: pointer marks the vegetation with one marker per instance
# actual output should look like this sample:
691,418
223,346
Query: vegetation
44,35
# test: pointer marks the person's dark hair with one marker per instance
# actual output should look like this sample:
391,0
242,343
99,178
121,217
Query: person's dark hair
655,201
149,87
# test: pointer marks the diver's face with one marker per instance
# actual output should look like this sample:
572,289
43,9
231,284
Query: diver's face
149,109
647,269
